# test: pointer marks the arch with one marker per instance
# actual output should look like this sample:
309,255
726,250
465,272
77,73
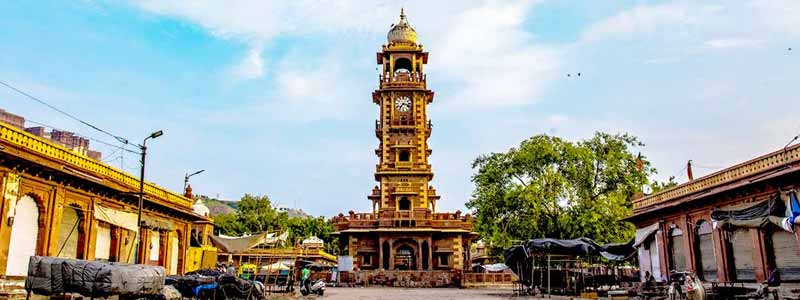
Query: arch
174,251
69,233
386,256
405,257
24,236
402,64
677,255
102,248
404,155
404,204
704,251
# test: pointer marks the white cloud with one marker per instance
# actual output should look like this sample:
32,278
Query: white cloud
251,66
490,57
642,18
736,42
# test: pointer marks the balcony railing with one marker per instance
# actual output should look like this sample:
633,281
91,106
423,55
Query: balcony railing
403,219
403,80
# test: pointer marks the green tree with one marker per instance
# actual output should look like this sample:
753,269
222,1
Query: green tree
549,187
256,214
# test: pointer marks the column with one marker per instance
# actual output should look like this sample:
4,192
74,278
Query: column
419,255
380,253
391,254
430,253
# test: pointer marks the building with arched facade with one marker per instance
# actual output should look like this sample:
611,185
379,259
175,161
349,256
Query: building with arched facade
57,202
404,231
727,227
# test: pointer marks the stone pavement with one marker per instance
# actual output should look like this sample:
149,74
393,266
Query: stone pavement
379,293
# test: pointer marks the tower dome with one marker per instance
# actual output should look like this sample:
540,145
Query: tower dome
402,31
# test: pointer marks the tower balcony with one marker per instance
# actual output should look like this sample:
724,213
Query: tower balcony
419,219
403,80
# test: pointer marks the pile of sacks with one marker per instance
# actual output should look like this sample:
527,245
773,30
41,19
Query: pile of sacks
52,276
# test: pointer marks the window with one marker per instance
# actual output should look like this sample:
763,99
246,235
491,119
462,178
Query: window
404,155
404,204
704,250
366,260
443,260
677,253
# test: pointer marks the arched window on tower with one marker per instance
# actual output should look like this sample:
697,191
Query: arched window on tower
404,204
402,65
404,155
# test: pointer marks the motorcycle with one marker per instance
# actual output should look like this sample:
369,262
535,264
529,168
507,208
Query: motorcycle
315,287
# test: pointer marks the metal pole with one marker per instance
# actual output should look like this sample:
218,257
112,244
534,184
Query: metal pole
548,277
141,201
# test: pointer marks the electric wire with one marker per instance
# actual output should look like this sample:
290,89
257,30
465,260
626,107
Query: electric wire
29,96
83,136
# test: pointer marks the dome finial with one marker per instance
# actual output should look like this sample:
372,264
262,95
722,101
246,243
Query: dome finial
402,31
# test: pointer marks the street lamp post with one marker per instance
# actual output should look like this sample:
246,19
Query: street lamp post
143,148
186,178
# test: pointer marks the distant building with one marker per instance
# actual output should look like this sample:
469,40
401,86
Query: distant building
12,119
67,139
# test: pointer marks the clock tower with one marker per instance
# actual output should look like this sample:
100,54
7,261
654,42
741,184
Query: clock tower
403,127
404,231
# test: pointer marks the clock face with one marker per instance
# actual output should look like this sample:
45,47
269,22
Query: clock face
402,103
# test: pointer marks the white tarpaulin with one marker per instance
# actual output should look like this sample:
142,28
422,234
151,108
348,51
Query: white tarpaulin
117,217
642,234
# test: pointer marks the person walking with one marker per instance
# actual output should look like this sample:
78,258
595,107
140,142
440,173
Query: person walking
305,274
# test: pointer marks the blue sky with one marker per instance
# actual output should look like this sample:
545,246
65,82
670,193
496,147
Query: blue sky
275,97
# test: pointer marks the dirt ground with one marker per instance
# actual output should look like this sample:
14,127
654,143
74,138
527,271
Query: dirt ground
378,293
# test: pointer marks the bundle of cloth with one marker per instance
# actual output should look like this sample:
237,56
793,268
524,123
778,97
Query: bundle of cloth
51,276
782,210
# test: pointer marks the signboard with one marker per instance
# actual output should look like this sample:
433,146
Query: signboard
345,263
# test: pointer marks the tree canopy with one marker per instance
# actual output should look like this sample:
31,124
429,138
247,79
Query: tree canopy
257,214
550,187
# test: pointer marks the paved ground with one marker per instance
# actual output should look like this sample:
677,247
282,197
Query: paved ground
377,293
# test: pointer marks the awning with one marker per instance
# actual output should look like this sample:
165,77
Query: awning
643,234
238,244
157,223
119,218
618,251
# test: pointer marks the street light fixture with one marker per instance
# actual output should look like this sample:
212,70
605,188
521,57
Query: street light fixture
186,178
143,148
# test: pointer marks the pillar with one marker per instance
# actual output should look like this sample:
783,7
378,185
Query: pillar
430,253
391,254
380,253
419,255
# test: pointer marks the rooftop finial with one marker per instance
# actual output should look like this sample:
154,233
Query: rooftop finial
402,13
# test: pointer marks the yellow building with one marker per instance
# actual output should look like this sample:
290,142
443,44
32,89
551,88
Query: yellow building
56,202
